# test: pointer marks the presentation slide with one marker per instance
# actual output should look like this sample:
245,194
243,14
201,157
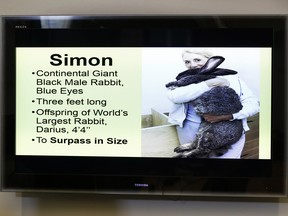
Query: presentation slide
93,101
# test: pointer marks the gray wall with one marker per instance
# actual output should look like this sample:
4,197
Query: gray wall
17,204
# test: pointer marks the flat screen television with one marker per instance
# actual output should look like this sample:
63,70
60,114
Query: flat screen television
86,106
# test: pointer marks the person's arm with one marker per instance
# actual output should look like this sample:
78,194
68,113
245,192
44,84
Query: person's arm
217,118
249,101
190,92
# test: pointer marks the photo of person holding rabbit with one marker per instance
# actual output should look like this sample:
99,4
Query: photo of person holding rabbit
184,115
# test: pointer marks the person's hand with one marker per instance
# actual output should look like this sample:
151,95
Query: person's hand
218,81
217,118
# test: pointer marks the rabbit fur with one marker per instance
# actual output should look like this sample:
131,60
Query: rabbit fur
212,139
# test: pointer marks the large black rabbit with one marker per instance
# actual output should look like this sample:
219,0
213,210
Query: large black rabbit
212,139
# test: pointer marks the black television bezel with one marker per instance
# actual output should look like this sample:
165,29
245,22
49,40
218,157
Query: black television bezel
149,176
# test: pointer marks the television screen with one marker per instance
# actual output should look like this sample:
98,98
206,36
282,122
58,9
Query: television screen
144,105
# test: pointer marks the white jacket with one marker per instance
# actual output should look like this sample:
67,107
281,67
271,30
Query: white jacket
180,96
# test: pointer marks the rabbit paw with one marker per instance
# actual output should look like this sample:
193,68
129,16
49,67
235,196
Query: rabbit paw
183,148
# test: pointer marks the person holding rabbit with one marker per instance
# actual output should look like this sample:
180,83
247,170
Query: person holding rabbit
187,120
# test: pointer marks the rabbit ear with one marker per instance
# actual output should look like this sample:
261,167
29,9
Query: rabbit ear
222,72
211,64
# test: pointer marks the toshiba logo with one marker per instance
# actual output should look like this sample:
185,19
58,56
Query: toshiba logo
141,185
